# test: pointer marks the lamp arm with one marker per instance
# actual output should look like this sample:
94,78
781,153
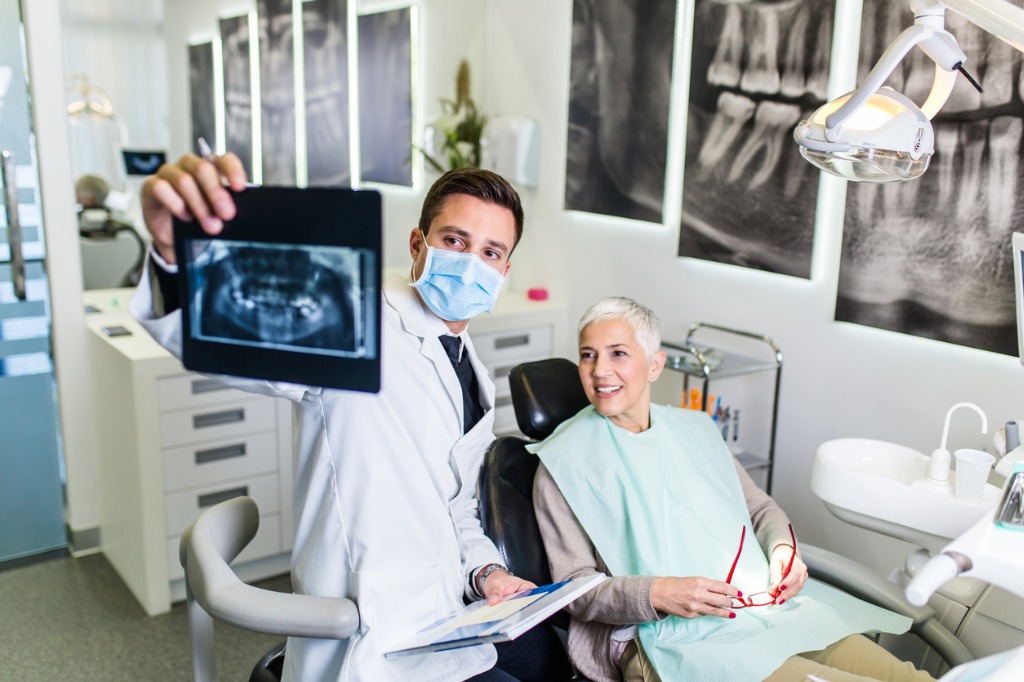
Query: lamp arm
883,68
999,17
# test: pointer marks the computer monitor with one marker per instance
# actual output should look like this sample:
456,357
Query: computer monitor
1018,279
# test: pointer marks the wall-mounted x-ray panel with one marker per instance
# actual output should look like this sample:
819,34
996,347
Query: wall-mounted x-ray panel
931,257
385,97
201,93
234,36
619,85
757,68
277,90
325,47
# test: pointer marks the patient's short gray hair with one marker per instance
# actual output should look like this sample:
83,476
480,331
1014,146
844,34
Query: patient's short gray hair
642,319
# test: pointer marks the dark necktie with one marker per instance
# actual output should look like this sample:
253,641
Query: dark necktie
471,409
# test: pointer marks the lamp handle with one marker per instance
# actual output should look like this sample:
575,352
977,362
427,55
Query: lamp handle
9,175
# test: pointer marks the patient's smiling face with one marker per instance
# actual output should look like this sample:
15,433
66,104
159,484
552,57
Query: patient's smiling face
617,374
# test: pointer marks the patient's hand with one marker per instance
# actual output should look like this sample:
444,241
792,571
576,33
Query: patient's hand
788,587
500,584
692,597
191,188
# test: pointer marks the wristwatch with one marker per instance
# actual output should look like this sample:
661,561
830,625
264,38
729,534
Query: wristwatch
482,574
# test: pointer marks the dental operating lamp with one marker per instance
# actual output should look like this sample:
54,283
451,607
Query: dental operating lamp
876,134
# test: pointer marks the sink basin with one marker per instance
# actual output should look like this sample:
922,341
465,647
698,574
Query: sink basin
881,486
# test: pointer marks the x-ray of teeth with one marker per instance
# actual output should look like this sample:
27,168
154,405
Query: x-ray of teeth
277,91
931,257
326,66
619,85
276,296
385,97
200,79
234,35
757,68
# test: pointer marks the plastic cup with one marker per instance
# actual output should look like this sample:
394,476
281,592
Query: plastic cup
972,467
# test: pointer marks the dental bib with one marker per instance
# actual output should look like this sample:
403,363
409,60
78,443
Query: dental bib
667,502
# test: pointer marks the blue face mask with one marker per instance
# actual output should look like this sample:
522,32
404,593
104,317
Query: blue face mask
457,286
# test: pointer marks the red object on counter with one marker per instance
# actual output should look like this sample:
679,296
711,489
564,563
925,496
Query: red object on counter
537,294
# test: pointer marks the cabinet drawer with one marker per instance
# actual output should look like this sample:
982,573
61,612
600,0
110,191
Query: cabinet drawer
504,416
217,421
266,543
193,390
183,507
213,461
500,347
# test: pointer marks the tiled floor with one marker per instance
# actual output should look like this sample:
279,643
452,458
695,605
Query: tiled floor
73,619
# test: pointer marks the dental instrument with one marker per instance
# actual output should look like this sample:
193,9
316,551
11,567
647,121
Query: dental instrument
876,134
991,550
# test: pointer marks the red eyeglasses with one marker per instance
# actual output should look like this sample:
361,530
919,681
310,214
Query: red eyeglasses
758,598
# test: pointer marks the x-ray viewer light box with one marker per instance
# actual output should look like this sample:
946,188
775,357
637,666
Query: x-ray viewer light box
288,291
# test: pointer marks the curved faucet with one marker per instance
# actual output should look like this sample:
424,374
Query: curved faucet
938,467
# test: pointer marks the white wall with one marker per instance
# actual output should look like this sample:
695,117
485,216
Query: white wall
839,380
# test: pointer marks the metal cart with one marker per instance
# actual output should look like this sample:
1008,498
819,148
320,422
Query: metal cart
692,359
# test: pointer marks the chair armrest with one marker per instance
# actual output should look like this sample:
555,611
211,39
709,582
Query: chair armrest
860,581
213,541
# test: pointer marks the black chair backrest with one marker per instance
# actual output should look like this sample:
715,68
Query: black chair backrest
544,394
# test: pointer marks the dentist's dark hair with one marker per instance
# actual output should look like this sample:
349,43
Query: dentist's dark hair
475,182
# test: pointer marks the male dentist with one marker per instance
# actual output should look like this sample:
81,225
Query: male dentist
385,484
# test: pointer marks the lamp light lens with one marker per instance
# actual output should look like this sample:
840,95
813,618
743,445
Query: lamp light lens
863,164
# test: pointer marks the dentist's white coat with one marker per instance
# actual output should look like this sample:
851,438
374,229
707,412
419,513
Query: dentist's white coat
384,497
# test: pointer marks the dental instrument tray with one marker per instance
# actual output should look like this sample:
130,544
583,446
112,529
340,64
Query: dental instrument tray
288,291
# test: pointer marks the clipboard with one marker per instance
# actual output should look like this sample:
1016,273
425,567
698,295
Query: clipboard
481,623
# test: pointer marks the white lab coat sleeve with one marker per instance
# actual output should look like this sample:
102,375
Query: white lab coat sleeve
166,330
477,549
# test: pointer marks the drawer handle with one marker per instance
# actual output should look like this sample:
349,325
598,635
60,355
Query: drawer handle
502,401
217,454
500,372
200,386
201,421
210,499
510,341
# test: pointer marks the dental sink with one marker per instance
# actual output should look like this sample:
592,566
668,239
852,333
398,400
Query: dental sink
883,487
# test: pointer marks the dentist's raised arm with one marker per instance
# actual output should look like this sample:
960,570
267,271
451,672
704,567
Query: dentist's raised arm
194,188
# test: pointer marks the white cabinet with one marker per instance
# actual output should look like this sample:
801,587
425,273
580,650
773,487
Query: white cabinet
171,443
517,331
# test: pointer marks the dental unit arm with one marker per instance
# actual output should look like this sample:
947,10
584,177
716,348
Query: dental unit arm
992,550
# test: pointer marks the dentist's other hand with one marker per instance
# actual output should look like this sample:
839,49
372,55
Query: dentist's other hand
500,584
192,188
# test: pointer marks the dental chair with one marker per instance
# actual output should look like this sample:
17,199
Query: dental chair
544,394
547,392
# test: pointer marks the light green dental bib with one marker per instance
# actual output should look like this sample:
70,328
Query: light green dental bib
668,502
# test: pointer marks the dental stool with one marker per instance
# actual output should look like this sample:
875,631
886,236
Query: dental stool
547,392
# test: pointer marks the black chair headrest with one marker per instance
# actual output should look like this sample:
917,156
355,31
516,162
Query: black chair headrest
544,394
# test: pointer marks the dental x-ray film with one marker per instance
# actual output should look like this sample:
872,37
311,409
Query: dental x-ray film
288,291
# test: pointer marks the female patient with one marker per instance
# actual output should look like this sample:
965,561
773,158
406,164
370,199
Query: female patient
706,583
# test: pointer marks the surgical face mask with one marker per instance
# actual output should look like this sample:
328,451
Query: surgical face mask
457,286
